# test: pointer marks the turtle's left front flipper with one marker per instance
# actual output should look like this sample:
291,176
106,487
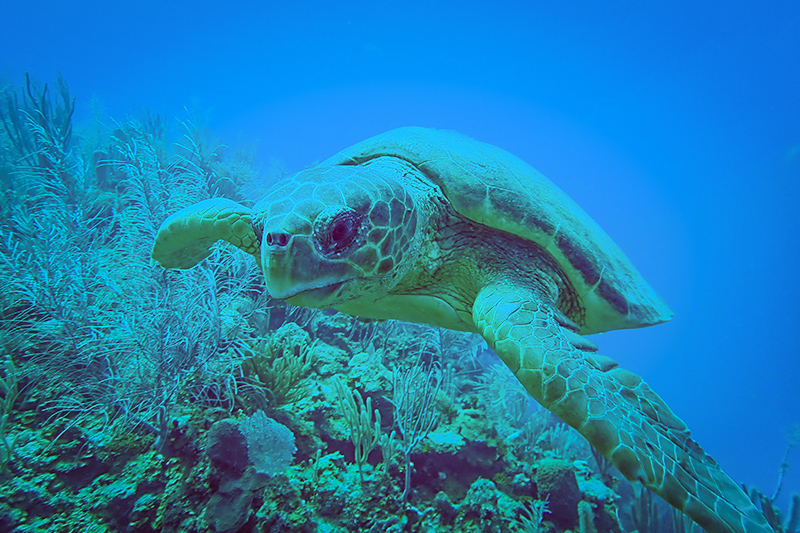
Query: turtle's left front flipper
185,238
614,409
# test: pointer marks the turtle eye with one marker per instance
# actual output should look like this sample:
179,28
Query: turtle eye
338,234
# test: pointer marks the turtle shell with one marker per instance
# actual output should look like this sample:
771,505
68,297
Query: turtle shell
493,187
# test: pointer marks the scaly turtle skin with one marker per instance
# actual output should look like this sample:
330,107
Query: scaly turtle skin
430,226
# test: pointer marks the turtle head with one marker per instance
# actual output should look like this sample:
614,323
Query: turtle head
334,234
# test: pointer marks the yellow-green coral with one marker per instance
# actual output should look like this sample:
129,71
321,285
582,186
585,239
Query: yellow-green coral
364,431
277,365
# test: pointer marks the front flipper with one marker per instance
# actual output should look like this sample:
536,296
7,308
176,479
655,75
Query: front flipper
614,409
185,238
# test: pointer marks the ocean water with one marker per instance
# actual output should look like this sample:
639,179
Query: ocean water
675,126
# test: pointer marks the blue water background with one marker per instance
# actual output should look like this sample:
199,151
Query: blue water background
676,125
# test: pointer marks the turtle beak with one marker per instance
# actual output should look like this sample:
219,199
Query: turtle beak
295,271
275,254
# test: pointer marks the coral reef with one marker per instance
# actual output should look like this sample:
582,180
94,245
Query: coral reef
138,399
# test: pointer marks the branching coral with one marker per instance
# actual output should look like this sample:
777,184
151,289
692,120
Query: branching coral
39,127
276,366
102,333
9,392
365,433
415,390
530,517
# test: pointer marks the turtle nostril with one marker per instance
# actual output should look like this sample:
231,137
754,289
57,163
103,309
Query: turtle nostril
277,238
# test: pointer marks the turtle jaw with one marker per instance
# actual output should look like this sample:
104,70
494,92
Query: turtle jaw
297,274
319,297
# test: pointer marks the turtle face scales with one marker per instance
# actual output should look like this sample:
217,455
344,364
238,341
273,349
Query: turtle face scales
331,233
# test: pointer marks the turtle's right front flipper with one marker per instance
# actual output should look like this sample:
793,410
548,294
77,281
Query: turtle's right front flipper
614,409
185,238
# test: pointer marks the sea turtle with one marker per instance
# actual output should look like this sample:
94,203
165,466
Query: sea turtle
433,227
